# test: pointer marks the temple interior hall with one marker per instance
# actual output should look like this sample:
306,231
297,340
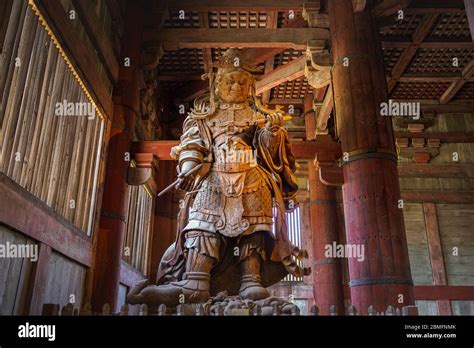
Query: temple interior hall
380,102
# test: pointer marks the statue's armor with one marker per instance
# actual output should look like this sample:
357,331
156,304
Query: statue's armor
233,199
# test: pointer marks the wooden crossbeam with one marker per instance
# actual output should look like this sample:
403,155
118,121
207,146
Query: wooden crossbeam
287,72
436,170
424,28
438,196
301,149
283,38
435,7
443,292
403,43
434,77
455,87
231,5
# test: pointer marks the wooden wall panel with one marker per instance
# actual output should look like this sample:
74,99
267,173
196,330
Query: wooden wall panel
14,274
139,227
456,223
462,307
417,244
65,278
427,307
53,157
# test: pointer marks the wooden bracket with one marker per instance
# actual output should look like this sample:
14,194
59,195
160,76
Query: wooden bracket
312,14
329,171
143,173
419,151
317,69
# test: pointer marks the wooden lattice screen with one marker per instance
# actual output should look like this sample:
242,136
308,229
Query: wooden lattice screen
54,157
137,240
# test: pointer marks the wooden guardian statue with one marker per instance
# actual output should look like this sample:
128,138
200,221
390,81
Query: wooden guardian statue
235,164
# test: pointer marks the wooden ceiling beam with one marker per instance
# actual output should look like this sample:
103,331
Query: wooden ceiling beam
456,86
232,5
301,149
436,170
421,32
465,44
435,7
287,72
283,38
432,77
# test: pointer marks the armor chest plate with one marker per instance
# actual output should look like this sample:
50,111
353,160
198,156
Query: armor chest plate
231,119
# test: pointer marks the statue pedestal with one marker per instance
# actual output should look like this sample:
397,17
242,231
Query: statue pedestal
222,304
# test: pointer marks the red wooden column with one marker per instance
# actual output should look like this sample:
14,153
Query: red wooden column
109,245
371,190
326,271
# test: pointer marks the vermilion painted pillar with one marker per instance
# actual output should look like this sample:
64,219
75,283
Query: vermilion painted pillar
109,244
326,271
371,190
324,226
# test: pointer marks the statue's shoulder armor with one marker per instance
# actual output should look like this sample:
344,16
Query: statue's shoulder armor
202,108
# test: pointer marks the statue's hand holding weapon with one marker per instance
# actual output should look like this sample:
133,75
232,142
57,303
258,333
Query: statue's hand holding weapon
185,179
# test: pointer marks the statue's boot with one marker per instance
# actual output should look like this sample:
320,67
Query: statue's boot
194,287
251,282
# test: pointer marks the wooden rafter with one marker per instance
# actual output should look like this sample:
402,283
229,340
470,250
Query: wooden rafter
287,72
403,43
456,86
423,30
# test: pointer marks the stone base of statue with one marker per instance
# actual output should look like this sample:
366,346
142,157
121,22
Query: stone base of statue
224,305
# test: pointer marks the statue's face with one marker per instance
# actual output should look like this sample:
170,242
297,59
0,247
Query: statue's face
234,87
